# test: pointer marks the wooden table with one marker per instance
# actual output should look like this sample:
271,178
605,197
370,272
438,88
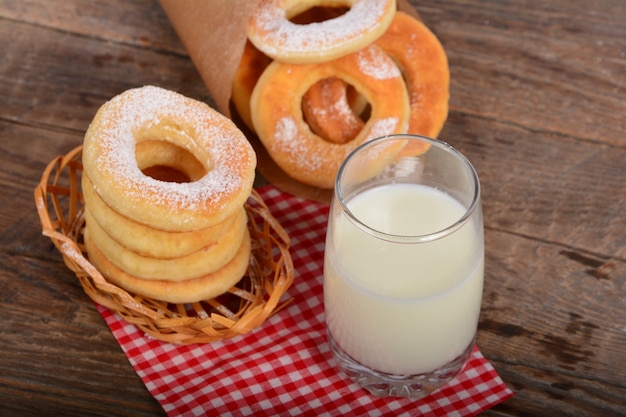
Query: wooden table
538,104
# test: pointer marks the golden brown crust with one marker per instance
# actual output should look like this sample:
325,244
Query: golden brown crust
253,63
206,260
424,65
149,241
188,291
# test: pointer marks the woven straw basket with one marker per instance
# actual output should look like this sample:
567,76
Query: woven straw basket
245,306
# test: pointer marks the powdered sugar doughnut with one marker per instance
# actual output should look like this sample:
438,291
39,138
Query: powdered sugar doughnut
152,113
327,106
422,60
270,29
278,121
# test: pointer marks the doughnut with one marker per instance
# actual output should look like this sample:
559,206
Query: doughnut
188,291
322,95
327,110
279,123
201,262
271,31
253,62
424,65
148,241
152,113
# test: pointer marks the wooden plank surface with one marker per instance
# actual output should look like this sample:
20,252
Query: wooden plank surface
537,104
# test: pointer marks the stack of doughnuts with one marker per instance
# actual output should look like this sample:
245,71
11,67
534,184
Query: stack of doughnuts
164,183
318,78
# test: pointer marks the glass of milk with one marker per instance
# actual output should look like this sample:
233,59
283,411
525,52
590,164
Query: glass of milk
403,265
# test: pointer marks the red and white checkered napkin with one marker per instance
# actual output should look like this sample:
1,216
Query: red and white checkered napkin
284,366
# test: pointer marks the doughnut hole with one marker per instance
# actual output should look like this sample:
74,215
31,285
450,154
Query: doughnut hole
165,161
315,14
334,110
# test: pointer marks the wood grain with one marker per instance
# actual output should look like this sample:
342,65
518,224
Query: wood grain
537,104
141,23
541,184
556,67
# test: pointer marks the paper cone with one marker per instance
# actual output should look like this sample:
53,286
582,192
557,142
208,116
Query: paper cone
214,34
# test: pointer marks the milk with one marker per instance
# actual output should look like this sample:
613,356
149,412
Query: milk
403,308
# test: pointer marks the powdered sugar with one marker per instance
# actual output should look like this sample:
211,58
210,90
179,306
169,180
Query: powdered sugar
289,141
384,127
293,145
375,63
286,131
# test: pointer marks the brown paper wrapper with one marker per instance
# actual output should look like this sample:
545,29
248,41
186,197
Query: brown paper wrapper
214,34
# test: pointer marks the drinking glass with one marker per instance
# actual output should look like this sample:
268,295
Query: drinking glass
403,265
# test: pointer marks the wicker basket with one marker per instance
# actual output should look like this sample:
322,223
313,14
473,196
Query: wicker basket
245,306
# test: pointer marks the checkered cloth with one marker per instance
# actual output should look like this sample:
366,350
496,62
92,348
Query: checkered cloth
284,366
